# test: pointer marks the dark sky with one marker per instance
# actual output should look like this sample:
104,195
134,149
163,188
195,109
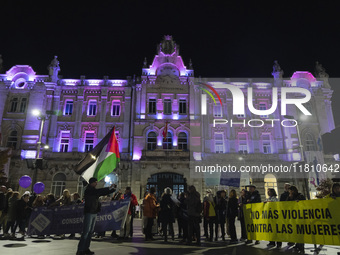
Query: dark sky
223,38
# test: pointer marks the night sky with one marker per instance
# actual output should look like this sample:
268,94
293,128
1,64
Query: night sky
223,38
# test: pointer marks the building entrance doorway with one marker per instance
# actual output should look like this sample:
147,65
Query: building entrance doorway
161,181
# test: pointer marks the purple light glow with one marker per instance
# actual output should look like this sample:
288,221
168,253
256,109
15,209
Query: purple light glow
28,154
136,155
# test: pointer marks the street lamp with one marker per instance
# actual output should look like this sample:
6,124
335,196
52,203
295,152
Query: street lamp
306,180
38,160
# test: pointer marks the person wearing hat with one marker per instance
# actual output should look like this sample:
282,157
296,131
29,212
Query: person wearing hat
91,208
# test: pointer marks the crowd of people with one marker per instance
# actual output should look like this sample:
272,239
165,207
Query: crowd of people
217,211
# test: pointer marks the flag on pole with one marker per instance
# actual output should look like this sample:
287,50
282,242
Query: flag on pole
165,131
102,160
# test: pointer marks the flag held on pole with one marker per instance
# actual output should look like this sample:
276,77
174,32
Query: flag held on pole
165,131
102,160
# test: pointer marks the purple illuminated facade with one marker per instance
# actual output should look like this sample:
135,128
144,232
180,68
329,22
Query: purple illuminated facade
167,91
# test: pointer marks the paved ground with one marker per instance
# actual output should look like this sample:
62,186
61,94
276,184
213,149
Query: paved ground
137,245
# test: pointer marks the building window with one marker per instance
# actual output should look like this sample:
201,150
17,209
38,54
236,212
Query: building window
12,140
270,182
14,104
115,108
152,106
167,142
217,110
89,141
167,106
182,141
23,105
263,107
64,141
92,108
68,107
182,106
58,184
242,143
267,149
81,187
310,143
152,141
219,144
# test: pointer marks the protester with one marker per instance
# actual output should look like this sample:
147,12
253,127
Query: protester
125,230
12,213
65,199
3,191
150,212
76,199
167,217
232,212
38,202
254,197
285,194
209,214
5,211
49,200
205,222
91,208
294,195
194,213
242,201
335,190
221,213
22,212
272,197
183,216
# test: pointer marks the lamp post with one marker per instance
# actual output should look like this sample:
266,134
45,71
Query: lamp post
38,159
306,180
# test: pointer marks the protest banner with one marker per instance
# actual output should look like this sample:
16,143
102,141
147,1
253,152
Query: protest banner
313,221
69,219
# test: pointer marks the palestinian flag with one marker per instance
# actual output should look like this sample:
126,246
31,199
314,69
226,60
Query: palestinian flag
102,160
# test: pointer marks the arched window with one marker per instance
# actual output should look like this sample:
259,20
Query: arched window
152,141
310,143
80,186
58,184
270,182
12,139
167,142
182,141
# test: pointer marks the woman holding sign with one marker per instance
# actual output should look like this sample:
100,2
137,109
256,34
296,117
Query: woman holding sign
272,197
294,195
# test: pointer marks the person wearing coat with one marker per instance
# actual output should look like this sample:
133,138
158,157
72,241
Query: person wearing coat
91,208
221,213
254,197
150,212
12,213
167,217
242,201
272,197
232,212
22,212
194,206
209,214
294,195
